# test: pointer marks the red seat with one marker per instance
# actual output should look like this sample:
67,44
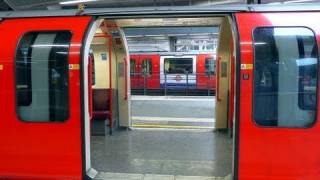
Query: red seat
101,104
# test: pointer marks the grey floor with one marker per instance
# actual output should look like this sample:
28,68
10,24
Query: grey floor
173,111
167,152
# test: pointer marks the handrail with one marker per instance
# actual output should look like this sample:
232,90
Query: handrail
90,66
218,79
161,82
125,79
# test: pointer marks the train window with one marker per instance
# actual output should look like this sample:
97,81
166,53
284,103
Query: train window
42,76
178,65
285,76
146,66
132,67
210,66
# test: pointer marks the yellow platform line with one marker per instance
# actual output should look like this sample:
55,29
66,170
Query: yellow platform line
169,126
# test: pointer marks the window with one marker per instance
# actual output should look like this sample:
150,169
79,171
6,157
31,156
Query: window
146,67
210,66
132,67
190,44
42,76
178,65
285,76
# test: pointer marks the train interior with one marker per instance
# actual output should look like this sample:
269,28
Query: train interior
117,148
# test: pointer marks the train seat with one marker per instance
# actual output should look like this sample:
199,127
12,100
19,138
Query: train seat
101,104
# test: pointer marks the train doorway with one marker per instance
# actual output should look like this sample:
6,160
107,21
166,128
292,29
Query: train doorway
131,151
172,72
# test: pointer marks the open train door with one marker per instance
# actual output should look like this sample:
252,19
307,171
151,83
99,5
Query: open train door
278,132
41,130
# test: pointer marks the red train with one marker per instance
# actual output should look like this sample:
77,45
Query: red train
154,71
267,86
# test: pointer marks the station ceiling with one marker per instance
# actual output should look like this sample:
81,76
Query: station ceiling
71,4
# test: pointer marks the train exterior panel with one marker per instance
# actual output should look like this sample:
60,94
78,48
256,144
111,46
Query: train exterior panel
41,124
274,62
279,113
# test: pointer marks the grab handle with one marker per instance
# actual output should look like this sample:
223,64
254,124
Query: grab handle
125,78
218,79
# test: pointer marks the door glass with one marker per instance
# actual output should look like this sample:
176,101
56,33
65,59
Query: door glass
146,67
285,77
42,76
210,66
132,67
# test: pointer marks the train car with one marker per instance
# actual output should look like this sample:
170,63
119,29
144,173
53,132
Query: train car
160,71
267,86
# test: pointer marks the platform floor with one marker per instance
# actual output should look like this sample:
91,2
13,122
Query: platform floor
163,152
127,176
173,111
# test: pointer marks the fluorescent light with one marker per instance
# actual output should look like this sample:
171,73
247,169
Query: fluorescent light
297,1
291,1
76,2
219,2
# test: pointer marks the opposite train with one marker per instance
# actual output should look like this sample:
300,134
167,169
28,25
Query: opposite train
156,71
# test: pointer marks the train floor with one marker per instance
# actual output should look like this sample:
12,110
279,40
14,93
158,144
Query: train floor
162,154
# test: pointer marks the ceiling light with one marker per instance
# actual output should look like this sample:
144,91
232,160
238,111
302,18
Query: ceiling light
297,1
290,1
76,2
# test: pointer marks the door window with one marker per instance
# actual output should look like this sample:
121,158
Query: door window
285,76
146,65
42,76
132,67
210,66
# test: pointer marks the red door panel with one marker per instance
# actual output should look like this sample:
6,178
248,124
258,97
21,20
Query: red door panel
41,149
269,146
150,77
146,71
205,76
155,83
135,72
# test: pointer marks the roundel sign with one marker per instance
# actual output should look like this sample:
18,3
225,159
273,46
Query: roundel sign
178,78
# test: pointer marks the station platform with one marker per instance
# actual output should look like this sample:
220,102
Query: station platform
126,176
180,112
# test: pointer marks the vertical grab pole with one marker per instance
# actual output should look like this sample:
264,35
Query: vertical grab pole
110,82
187,89
125,79
208,84
90,66
218,79
144,83
165,83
